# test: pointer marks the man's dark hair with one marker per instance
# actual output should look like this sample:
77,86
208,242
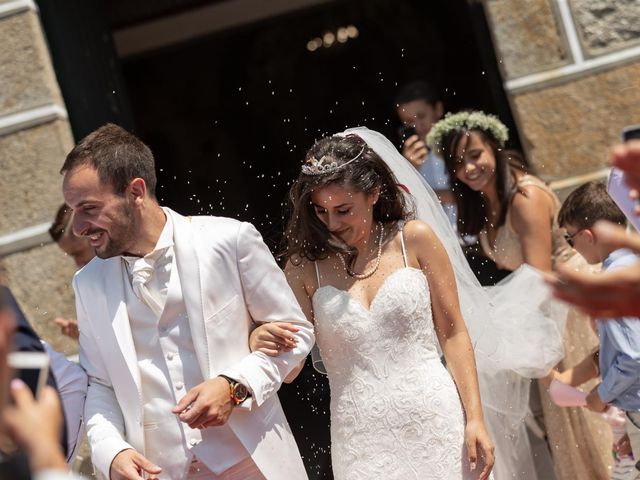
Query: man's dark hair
587,204
417,90
117,155
61,222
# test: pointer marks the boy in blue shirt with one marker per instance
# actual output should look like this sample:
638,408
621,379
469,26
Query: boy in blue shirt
619,361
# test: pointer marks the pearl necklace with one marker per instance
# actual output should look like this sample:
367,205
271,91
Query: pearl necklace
363,275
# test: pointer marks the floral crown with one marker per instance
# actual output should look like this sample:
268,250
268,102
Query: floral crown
326,164
464,121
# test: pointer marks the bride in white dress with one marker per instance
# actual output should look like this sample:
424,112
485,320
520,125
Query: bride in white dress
382,293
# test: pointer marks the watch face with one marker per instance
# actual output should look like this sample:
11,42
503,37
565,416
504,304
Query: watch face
240,392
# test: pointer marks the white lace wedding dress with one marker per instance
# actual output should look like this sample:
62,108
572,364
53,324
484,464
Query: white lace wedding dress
395,410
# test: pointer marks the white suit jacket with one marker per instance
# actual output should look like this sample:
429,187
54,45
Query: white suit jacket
229,280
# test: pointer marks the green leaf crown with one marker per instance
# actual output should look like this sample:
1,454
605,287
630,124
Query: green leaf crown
467,121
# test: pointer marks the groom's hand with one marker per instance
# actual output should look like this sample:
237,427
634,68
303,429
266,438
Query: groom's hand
206,405
130,465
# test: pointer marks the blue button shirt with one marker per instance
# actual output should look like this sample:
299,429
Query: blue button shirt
434,171
620,349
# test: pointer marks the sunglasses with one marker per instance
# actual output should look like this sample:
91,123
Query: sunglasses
569,237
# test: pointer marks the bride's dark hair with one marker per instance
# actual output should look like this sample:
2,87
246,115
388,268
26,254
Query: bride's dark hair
305,235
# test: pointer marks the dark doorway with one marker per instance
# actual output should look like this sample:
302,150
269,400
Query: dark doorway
229,116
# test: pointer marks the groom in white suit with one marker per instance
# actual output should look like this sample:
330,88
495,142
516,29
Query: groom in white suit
165,311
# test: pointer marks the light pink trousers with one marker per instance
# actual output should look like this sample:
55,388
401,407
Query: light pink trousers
245,470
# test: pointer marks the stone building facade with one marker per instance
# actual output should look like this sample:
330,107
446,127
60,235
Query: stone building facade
35,136
569,70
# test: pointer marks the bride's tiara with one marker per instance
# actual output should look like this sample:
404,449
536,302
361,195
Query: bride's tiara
326,164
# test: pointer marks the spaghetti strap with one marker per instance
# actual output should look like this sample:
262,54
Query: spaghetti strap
531,181
404,250
315,264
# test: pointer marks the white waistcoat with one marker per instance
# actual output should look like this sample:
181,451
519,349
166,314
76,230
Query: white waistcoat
168,370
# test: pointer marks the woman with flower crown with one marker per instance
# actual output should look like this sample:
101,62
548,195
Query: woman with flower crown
514,215
381,291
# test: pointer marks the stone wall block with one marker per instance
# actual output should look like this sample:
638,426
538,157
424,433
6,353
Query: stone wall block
567,129
27,79
526,36
40,279
606,25
30,185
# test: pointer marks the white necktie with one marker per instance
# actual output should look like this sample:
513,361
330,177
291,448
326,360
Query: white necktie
141,271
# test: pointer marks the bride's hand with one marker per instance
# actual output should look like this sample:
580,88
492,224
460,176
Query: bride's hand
273,338
478,445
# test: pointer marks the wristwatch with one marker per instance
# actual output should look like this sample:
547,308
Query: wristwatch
238,392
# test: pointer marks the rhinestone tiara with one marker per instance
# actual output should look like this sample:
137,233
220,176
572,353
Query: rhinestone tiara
325,165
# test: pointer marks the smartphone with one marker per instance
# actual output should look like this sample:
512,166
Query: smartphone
32,368
632,132
405,131
617,187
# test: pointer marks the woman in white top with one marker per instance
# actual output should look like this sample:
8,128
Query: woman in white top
382,294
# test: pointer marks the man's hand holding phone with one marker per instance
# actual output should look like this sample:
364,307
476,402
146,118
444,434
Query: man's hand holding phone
29,371
414,149
35,425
